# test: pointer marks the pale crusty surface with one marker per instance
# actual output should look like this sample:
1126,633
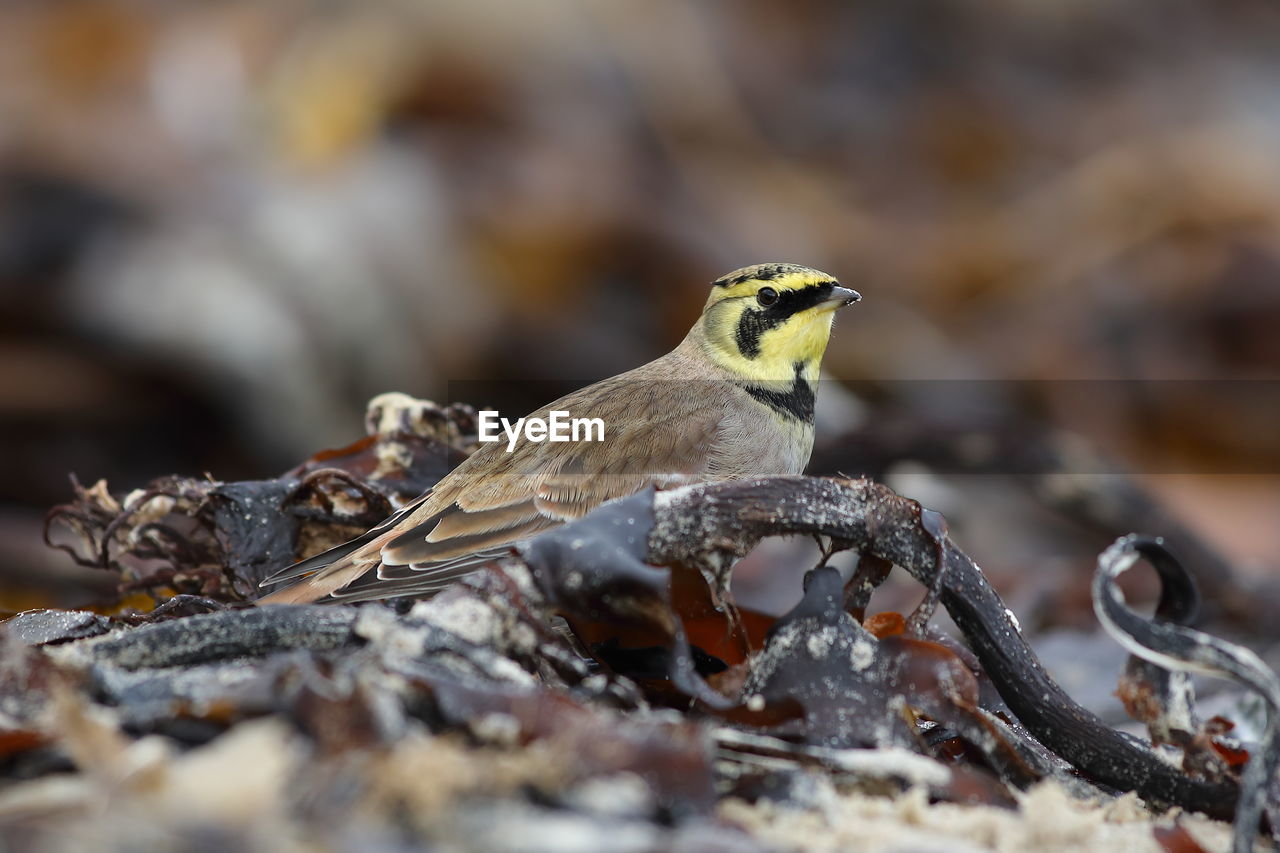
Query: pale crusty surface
1047,820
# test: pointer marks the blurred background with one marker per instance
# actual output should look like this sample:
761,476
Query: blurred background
224,226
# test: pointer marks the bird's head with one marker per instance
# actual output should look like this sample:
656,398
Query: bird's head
768,321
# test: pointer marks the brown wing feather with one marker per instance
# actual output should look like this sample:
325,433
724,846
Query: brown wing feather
496,498
459,522
417,551
568,482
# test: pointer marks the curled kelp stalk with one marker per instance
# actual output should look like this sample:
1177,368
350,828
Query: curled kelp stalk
705,525
1170,650
818,680
690,522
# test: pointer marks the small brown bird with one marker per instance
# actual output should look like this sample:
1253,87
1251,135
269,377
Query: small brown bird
735,399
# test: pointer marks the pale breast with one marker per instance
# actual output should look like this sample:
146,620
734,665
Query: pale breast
756,442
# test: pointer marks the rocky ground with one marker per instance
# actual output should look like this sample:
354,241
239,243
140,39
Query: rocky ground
584,693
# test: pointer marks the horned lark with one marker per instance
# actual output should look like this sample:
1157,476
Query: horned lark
735,399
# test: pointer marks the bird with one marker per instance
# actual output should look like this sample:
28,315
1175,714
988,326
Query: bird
735,399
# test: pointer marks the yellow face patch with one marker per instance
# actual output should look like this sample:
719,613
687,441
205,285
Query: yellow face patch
771,321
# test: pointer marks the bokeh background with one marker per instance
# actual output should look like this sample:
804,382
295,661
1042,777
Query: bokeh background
224,226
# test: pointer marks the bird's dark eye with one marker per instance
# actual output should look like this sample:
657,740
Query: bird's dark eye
767,296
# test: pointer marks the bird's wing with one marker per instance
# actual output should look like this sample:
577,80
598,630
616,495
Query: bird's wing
496,498
312,564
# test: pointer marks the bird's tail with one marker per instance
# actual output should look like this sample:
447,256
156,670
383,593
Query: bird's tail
319,584
337,567
350,562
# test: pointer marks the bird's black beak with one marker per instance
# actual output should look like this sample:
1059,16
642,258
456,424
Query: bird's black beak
841,296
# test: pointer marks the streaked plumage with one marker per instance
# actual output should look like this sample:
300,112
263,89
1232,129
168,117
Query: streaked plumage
734,399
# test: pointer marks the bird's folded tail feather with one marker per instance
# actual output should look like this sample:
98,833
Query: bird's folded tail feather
328,558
